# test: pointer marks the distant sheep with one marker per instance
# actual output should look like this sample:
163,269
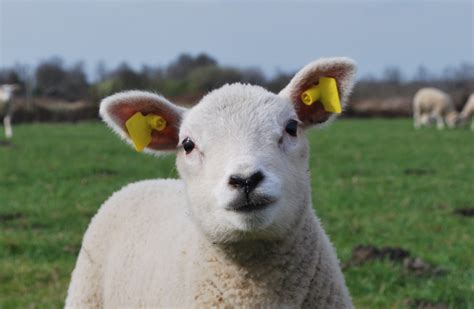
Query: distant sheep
468,111
238,229
6,106
433,104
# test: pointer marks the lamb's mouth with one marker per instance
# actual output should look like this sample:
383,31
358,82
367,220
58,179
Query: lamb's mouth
252,204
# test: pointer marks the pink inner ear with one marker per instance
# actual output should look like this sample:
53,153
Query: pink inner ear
315,113
160,140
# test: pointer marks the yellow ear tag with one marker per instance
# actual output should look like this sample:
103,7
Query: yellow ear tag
326,92
139,128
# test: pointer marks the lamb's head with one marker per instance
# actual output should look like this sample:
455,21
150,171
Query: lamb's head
452,119
7,91
242,151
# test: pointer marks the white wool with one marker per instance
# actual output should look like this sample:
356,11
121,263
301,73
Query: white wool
7,92
467,112
433,104
200,241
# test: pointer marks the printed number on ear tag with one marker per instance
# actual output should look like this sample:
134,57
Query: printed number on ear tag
139,128
325,92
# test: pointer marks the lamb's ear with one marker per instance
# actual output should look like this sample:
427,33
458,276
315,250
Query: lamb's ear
115,110
341,69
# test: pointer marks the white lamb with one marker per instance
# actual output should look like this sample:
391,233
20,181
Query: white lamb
432,103
6,103
468,111
238,230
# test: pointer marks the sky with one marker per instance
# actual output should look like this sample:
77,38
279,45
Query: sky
272,35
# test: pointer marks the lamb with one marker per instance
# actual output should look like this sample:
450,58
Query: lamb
238,229
432,103
6,103
468,111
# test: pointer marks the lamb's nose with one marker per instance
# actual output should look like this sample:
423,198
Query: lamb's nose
246,184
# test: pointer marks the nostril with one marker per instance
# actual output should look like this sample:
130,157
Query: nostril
255,179
236,181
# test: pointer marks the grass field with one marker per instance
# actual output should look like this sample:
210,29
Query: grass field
374,182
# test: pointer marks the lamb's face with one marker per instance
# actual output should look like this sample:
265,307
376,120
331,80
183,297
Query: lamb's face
243,156
452,119
241,151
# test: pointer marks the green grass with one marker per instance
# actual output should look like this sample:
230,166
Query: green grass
56,176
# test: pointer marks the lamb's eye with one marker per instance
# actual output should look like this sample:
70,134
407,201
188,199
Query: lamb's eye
188,145
292,127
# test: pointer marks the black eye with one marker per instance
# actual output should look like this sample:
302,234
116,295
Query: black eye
188,145
292,127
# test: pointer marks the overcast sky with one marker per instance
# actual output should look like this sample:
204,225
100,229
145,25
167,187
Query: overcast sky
270,35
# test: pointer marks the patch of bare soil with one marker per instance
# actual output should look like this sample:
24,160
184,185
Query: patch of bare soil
424,304
414,265
104,172
465,212
11,216
364,253
419,171
6,144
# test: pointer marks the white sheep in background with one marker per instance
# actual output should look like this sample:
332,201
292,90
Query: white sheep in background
468,111
432,103
239,228
6,104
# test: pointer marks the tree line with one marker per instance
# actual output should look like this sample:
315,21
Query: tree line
196,75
